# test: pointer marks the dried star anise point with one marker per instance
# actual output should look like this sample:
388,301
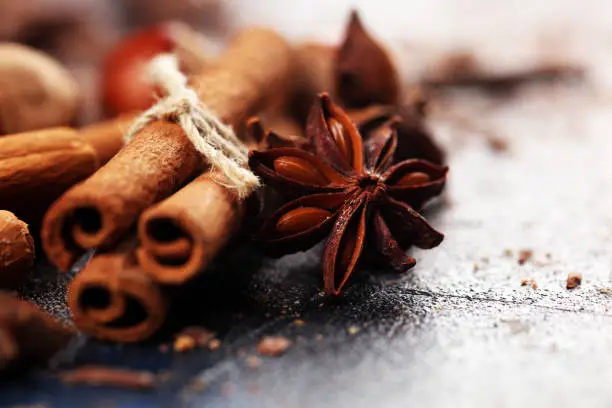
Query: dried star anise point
346,190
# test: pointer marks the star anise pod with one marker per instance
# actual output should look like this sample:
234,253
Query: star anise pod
414,139
345,190
364,72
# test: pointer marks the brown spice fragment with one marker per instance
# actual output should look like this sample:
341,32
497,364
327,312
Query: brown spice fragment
214,344
191,337
497,144
184,343
273,346
574,279
531,282
253,361
524,256
108,376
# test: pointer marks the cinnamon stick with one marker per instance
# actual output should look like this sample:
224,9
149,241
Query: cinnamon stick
160,158
112,299
28,335
181,235
16,250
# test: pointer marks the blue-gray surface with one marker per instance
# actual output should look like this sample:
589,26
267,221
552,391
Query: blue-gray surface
459,330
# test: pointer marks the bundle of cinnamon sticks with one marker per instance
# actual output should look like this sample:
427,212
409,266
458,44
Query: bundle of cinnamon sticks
153,208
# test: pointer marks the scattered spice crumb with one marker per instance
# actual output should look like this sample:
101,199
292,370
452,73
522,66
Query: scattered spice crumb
200,335
253,361
497,144
574,279
606,290
184,343
353,330
299,322
214,344
109,376
485,259
273,346
532,282
508,253
192,337
524,256
319,337
548,255
476,267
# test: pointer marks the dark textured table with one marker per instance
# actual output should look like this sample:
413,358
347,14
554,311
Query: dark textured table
457,331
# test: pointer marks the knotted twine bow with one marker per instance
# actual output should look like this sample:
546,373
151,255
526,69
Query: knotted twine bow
215,141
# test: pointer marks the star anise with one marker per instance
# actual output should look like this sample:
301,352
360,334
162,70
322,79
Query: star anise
344,190
414,139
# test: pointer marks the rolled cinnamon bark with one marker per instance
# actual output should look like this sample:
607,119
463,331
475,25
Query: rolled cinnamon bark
16,250
112,299
181,235
28,335
160,158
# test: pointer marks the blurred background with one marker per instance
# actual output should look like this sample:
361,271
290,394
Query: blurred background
80,33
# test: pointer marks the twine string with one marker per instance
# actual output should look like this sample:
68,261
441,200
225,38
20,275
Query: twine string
215,141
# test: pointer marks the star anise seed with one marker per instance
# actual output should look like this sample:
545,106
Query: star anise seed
347,191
